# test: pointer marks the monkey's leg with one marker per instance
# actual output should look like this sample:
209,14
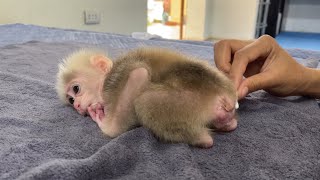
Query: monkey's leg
222,113
122,116
174,116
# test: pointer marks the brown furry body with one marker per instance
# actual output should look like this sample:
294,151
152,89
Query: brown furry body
177,102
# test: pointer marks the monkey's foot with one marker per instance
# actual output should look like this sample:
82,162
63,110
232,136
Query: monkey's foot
230,126
204,141
224,114
96,112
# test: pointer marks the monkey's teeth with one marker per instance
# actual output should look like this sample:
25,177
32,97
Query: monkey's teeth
237,105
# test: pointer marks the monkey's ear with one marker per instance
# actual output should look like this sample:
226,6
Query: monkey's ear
102,63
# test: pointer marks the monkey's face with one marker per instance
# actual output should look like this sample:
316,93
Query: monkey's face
82,94
80,80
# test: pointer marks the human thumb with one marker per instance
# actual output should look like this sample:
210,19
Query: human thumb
253,83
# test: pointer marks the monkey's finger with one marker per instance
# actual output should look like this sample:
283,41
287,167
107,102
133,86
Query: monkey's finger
249,53
97,119
92,113
101,114
99,106
223,53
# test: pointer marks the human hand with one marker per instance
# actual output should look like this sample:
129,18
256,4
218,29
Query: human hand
263,63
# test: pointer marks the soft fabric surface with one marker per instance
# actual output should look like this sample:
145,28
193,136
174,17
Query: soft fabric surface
40,138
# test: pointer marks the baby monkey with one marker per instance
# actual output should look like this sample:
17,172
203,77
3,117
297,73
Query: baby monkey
177,97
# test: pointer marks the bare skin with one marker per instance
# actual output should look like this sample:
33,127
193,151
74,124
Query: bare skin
265,65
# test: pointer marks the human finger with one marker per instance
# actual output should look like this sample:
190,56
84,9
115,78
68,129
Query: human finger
259,49
224,50
256,82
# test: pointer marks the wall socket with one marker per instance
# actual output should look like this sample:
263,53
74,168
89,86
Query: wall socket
91,17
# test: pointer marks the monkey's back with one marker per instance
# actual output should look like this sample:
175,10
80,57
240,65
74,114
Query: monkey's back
173,69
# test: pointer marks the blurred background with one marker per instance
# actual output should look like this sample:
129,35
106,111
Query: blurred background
294,23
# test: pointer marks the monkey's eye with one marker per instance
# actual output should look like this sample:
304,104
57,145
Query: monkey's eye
76,89
71,100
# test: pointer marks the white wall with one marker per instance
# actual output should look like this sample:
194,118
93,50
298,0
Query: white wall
232,18
301,16
195,20
117,16
220,19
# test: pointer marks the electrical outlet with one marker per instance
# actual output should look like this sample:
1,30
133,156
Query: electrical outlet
91,17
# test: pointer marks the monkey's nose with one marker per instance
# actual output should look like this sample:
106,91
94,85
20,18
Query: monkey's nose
76,105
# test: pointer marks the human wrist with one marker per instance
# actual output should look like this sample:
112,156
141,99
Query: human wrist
312,85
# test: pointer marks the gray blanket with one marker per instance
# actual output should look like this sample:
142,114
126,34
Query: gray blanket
40,138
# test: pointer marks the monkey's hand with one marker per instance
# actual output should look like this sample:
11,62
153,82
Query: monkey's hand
96,112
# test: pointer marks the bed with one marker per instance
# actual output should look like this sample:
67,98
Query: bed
40,138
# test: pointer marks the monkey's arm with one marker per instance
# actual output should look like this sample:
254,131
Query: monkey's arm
121,118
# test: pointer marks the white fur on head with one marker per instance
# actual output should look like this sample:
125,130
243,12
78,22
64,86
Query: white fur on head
75,63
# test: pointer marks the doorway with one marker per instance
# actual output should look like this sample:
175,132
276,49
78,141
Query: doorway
166,18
